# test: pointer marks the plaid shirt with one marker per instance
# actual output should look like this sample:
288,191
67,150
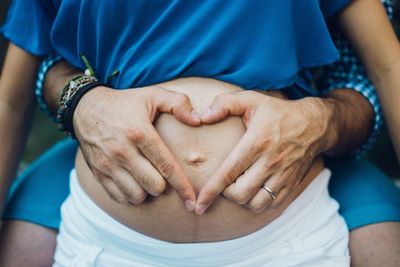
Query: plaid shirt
349,73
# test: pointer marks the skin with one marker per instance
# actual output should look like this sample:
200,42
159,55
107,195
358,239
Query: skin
389,83
149,164
330,111
369,30
130,151
33,246
116,192
16,109
278,148
199,151
56,73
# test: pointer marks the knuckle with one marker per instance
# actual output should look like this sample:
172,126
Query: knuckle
129,192
120,199
138,197
152,185
135,135
119,152
258,207
182,99
229,178
240,198
277,160
134,194
158,188
106,165
209,195
166,169
261,146
96,173
245,160
141,196
274,163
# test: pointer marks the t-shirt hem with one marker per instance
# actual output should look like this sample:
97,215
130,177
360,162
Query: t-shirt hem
22,44
371,214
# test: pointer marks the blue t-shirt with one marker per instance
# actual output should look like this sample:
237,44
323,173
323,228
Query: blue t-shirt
257,44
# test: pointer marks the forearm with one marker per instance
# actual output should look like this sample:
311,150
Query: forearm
389,95
349,72
15,124
368,28
351,121
16,109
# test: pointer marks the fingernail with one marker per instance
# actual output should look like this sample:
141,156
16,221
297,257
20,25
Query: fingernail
190,205
200,209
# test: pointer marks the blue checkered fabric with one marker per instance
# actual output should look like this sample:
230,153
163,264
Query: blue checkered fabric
349,73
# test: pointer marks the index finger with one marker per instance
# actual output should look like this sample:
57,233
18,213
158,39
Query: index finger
240,159
154,149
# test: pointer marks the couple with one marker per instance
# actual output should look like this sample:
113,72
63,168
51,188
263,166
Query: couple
147,185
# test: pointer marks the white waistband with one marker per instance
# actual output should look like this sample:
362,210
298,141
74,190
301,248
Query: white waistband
306,214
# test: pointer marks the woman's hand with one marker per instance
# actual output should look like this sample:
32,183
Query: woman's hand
123,149
282,140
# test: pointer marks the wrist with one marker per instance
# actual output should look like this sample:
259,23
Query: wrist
70,96
333,121
92,98
55,80
88,108
323,117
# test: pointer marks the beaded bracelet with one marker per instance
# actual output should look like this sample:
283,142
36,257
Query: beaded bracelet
44,67
73,91
69,98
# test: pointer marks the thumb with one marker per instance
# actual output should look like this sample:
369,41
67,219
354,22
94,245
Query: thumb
177,104
224,105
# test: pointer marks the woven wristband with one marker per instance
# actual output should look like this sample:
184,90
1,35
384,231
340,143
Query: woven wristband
74,103
69,99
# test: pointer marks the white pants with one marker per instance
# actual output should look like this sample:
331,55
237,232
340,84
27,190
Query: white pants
310,232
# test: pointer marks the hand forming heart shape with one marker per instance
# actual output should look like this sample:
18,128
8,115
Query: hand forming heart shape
277,148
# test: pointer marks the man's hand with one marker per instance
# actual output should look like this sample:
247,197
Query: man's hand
282,140
123,149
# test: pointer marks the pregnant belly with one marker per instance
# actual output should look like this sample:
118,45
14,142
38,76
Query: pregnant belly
200,151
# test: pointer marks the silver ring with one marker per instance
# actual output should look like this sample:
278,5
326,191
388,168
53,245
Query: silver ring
272,193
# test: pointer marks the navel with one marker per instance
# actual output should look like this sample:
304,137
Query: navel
195,158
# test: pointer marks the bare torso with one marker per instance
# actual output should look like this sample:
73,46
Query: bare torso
199,151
